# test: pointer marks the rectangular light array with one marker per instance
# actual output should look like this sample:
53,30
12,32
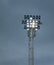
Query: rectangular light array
32,16
31,22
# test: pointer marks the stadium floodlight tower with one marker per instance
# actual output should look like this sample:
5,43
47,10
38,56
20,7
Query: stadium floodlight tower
31,24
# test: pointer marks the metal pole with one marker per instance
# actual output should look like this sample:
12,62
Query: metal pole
31,47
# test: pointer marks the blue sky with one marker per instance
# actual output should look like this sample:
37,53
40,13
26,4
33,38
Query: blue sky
13,38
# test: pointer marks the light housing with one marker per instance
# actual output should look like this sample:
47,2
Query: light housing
31,22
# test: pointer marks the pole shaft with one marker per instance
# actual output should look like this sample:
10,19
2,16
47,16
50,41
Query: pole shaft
31,47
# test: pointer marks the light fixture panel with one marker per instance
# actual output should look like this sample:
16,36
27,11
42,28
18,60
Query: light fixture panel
31,21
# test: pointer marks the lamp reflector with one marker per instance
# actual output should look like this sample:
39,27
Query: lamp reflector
33,17
27,25
30,18
36,29
36,16
27,28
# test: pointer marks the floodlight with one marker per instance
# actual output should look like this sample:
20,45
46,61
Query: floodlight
33,16
36,21
31,24
30,18
25,16
22,21
25,21
39,22
30,15
36,29
36,24
25,27
39,17
28,25
36,16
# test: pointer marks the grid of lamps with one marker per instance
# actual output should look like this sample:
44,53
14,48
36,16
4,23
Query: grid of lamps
31,21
